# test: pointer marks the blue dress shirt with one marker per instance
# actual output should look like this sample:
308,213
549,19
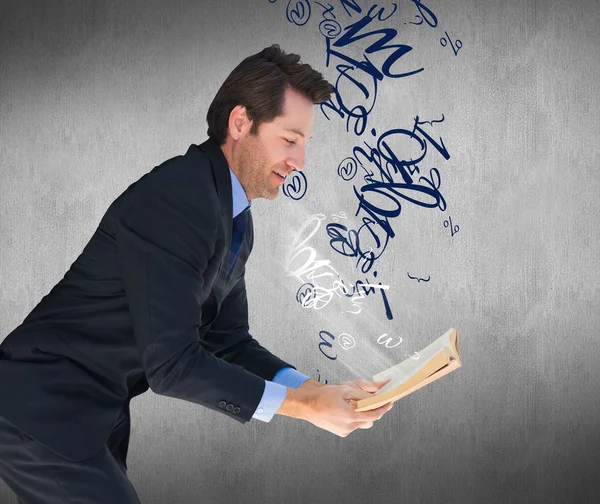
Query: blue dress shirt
274,393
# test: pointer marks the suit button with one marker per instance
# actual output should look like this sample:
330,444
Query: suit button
236,410
229,407
222,404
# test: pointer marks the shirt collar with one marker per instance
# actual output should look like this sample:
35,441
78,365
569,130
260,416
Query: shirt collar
238,195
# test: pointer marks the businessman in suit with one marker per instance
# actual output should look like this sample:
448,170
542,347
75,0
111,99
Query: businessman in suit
157,299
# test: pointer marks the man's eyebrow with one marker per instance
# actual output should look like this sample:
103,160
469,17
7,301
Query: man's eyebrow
298,132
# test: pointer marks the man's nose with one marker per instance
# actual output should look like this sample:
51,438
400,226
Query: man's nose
296,160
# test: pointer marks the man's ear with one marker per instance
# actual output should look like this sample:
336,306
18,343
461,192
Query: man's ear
239,124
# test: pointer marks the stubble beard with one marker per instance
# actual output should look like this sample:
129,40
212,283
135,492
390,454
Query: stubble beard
253,173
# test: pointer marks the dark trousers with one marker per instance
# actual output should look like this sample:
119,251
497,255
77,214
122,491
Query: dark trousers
38,475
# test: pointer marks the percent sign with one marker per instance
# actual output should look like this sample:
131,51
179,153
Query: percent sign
337,217
454,229
446,40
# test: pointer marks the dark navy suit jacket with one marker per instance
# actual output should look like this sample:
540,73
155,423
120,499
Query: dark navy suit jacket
149,303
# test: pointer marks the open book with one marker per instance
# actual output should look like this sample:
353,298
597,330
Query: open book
434,361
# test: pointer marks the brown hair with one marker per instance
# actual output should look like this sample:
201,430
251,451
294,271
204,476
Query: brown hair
259,83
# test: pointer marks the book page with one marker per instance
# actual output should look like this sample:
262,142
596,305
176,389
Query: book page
408,367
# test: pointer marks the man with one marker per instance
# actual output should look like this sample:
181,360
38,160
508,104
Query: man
157,299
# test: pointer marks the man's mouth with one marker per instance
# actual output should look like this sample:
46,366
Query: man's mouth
282,177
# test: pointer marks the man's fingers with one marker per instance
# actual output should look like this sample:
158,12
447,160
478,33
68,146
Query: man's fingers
365,425
371,386
356,394
368,423
374,414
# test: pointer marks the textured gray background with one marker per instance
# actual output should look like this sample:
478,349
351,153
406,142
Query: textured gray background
94,94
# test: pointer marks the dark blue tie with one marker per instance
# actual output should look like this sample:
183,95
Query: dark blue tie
240,223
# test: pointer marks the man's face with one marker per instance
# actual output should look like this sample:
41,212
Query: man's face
277,148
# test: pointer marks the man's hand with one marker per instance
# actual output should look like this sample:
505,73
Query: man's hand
333,407
369,386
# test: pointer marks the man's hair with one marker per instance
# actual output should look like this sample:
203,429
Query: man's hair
259,83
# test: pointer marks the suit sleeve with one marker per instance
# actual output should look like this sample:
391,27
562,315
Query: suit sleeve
165,239
229,338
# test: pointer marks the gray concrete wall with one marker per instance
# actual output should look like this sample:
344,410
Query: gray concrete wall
94,94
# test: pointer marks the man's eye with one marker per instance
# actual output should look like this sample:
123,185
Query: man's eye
291,142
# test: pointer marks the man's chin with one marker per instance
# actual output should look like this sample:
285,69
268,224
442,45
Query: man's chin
271,193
